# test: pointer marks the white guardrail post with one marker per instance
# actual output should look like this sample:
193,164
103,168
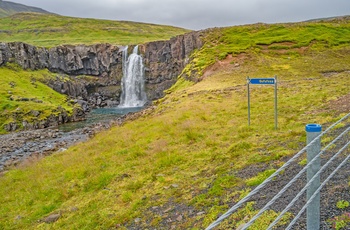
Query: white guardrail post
313,210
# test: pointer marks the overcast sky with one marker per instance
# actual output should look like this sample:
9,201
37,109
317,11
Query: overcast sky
196,14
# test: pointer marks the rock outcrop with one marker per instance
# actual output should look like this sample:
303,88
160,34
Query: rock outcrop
60,116
96,60
165,61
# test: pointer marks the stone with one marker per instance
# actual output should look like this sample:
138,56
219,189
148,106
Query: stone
137,220
35,113
99,101
179,218
51,218
25,124
168,209
111,103
74,209
10,127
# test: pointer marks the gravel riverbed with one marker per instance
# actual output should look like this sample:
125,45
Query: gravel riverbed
17,147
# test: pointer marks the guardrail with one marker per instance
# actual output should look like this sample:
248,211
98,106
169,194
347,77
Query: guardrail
312,186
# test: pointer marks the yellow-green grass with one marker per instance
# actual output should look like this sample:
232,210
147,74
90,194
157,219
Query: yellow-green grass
52,30
290,39
188,151
17,84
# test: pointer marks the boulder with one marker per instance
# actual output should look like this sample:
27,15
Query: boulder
51,218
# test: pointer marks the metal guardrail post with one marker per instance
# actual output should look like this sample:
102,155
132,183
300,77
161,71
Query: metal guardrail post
248,94
313,210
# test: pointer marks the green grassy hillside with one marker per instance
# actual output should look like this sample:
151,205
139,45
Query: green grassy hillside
23,95
9,8
288,39
180,163
52,30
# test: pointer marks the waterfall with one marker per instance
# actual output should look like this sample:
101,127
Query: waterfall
133,83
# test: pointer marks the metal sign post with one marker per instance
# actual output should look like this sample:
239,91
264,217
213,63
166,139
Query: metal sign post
313,150
262,81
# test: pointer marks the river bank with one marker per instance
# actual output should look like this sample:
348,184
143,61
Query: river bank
17,147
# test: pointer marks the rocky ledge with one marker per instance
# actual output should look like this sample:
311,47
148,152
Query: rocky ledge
60,117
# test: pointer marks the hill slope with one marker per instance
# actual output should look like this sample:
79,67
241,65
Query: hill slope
53,30
190,157
10,8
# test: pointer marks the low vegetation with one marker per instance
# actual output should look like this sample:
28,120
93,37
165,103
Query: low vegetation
289,39
179,164
24,96
53,30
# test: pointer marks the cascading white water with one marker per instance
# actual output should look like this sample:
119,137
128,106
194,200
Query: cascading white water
133,82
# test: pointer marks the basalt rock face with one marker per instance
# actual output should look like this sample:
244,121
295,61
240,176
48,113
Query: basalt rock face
27,56
96,60
164,61
101,60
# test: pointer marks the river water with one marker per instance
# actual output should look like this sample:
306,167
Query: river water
99,115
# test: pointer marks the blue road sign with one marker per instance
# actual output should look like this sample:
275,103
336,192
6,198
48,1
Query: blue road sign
262,81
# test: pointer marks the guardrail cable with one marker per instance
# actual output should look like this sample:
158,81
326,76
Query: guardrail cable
279,194
318,190
307,185
256,190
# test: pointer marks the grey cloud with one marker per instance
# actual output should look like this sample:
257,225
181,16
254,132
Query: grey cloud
196,14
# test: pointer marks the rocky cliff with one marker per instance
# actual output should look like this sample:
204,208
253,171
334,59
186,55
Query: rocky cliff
164,61
96,60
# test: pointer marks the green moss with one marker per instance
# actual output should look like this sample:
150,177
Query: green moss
342,204
260,177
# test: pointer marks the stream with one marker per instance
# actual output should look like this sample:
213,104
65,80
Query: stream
19,147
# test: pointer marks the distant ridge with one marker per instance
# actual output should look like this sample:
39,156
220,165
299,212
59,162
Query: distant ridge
10,8
345,17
